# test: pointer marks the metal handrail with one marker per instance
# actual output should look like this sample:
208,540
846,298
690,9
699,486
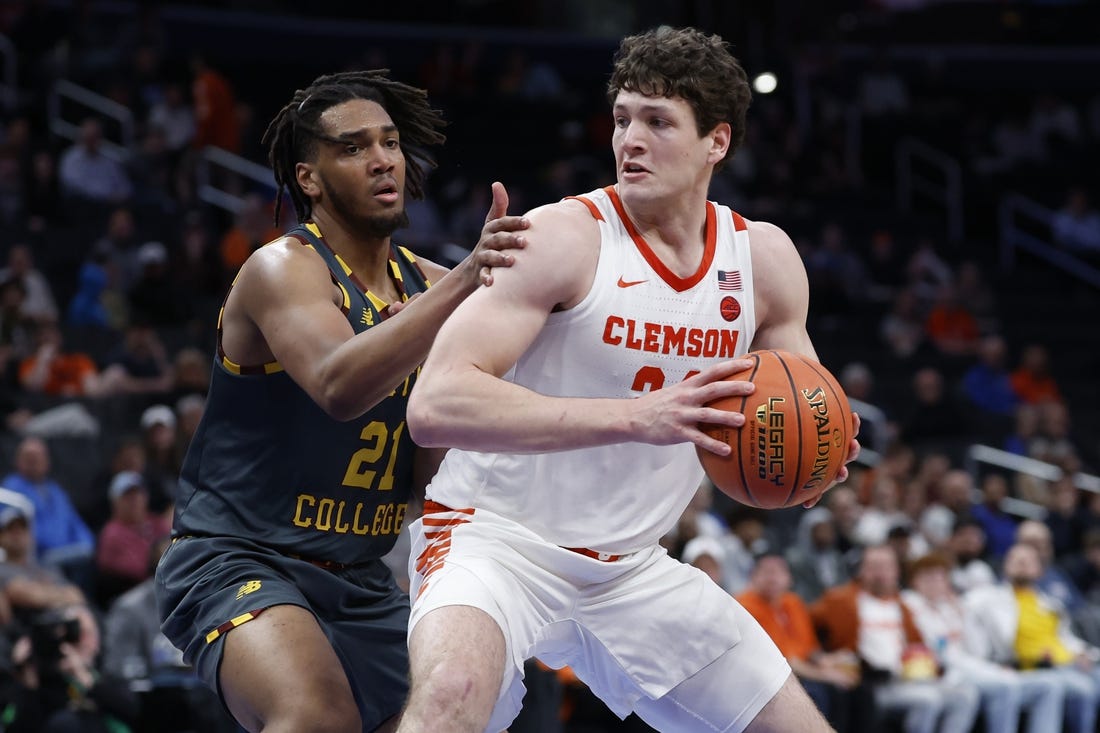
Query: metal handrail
63,89
1042,470
1013,208
9,89
208,189
947,192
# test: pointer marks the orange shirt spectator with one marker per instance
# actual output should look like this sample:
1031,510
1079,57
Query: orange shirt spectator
52,371
788,622
1032,381
215,110
252,229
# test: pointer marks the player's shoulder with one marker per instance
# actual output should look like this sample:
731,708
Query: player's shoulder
285,258
568,223
767,234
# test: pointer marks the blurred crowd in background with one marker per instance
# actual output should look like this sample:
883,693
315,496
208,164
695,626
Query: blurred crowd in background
973,370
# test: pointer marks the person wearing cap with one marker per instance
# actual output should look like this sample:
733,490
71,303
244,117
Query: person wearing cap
62,538
162,456
28,586
122,554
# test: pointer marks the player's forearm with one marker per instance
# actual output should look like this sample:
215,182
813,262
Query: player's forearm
478,411
369,367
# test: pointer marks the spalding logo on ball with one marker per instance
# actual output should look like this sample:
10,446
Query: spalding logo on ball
798,425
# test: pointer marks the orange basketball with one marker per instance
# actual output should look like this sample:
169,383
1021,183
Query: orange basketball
798,425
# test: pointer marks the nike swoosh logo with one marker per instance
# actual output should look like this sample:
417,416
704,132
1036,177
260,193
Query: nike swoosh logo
629,284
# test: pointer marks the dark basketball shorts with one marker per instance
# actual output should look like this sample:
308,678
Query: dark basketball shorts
207,586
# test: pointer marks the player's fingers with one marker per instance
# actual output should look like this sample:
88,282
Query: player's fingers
708,443
856,422
721,370
493,258
504,224
502,240
854,449
720,417
499,207
721,389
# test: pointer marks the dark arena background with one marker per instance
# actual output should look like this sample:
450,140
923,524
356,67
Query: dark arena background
935,163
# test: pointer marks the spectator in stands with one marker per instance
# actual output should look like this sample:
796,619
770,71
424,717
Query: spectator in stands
927,272
135,650
122,553
27,585
1025,427
951,327
1052,580
1084,568
215,108
155,297
999,525
196,265
745,539
87,173
1065,517
139,363
706,553
987,385
251,229
115,249
938,613
829,678
883,512
191,372
814,559
1031,380
1016,624
867,617
127,454
885,267
966,548
16,329
1076,225
43,207
174,117
39,303
954,501
934,418
1053,442
902,328
152,169
1055,121
976,295
843,502
162,459
62,539
53,370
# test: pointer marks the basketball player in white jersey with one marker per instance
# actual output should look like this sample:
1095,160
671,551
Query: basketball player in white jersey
573,389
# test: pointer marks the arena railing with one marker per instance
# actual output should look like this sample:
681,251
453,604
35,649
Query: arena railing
1019,217
978,455
217,188
65,93
912,158
9,57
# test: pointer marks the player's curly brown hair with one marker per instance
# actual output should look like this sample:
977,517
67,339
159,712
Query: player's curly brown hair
293,134
686,63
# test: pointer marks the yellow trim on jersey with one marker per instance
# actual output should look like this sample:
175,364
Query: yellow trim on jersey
379,304
272,367
314,228
412,260
229,625
347,296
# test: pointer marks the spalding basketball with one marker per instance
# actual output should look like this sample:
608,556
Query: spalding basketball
798,425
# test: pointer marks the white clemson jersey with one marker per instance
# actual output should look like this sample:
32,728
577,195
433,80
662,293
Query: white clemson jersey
639,328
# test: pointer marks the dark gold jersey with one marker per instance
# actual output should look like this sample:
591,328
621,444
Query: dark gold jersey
268,464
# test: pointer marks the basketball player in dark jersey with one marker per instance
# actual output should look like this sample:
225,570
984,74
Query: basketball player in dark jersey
298,478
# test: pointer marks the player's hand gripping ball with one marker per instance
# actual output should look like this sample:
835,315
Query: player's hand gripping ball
798,426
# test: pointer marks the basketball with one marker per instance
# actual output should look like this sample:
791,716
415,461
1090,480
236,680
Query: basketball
798,425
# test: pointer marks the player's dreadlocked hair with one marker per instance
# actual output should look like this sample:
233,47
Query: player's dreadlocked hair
293,133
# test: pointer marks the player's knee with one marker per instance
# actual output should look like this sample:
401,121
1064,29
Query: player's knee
452,687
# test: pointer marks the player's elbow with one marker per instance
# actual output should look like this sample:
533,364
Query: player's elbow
425,420
338,405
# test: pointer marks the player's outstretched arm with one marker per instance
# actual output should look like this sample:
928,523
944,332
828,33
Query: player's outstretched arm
283,304
461,401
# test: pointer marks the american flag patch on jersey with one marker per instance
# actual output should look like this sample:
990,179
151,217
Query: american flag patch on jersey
729,280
